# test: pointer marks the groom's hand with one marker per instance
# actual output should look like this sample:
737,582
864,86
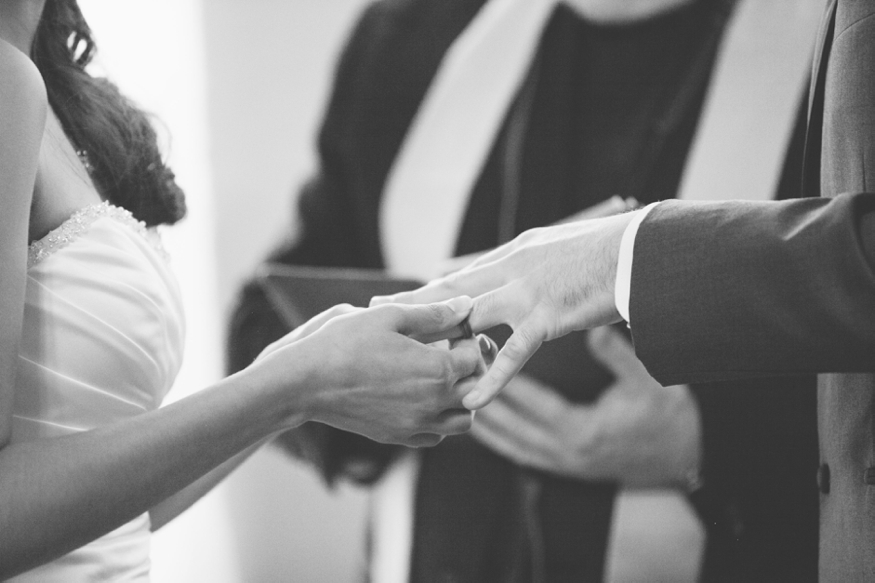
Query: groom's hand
544,284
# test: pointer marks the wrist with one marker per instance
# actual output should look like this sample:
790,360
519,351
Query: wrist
284,383
625,253
611,243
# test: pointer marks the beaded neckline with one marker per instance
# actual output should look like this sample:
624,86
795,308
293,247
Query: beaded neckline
79,222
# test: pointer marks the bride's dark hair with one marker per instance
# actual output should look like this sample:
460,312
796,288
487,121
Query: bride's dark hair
120,142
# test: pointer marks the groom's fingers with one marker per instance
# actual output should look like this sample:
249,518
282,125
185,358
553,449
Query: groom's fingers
470,282
499,306
492,255
510,360
428,322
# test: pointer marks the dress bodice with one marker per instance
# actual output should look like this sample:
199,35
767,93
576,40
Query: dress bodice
102,341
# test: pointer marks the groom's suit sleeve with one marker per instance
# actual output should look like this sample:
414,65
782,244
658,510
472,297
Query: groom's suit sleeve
729,291
735,290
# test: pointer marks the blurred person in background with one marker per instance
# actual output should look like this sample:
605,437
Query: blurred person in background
608,103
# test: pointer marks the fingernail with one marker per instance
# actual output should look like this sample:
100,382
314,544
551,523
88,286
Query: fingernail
460,304
487,346
470,400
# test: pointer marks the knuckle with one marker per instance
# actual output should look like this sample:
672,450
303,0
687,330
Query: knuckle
389,312
440,368
387,309
528,236
436,312
484,304
338,312
449,282
519,344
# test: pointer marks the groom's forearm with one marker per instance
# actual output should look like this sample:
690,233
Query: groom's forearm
740,289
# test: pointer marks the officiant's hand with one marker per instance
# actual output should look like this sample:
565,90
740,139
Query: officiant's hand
637,433
372,371
544,284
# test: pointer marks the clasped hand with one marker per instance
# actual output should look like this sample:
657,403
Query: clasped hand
374,372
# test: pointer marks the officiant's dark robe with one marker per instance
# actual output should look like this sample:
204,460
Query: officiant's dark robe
612,111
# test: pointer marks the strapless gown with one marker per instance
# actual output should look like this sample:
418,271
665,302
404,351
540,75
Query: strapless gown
102,341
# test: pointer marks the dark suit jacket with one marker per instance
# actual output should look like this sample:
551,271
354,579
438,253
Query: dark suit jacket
382,76
729,291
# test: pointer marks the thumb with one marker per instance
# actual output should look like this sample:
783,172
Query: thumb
432,322
611,349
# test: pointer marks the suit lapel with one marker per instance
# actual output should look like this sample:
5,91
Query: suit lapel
814,131
819,61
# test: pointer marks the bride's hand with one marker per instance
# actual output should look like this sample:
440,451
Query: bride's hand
308,328
372,372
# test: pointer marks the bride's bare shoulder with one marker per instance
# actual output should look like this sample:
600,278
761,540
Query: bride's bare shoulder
23,101
23,110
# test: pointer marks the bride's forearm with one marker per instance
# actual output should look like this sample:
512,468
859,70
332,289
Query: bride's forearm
176,504
58,494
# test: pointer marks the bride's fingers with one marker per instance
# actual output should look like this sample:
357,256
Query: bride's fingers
465,360
455,421
462,388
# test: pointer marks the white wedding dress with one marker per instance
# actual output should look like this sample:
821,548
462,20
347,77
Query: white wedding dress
102,341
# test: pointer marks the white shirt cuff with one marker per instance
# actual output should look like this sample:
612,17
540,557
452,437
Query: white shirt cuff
623,284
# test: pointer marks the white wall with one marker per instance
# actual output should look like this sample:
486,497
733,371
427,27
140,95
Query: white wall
154,50
270,64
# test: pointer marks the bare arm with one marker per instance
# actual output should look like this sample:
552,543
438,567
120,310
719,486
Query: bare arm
58,494
171,507
174,505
